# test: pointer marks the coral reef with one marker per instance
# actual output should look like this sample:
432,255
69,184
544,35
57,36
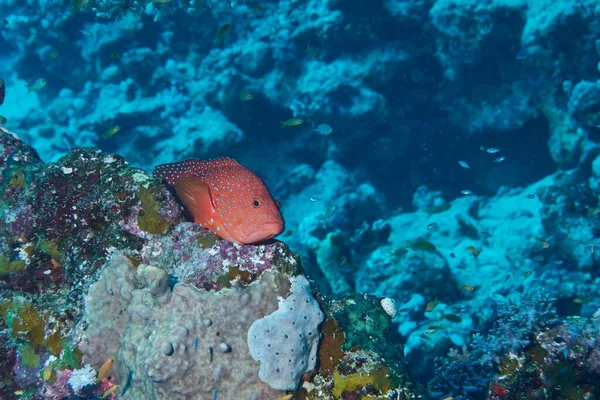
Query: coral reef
166,309
413,91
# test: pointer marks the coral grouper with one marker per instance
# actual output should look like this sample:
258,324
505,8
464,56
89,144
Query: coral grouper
225,198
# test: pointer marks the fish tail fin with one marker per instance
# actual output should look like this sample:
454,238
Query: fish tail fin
283,124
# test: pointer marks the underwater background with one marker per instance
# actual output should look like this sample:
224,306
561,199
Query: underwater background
436,162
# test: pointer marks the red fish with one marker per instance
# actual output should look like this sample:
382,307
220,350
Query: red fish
2,91
226,198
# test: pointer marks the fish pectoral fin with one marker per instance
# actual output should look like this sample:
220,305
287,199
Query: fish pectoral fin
196,197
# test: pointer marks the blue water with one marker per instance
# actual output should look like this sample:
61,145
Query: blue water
407,88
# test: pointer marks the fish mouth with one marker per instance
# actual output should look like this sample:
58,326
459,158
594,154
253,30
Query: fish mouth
265,232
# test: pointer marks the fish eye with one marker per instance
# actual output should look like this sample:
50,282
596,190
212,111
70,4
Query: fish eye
256,203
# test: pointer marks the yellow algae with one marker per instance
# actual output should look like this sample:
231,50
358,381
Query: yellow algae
26,323
233,274
378,379
18,179
54,343
150,219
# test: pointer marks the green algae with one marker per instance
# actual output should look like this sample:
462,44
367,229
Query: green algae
49,247
149,218
206,241
71,357
29,357
8,267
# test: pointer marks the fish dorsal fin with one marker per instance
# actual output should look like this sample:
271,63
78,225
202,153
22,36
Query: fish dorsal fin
225,161
197,198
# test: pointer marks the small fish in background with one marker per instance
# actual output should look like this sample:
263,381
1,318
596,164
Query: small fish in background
328,213
530,196
582,300
53,55
115,56
86,33
344,263
421,245
543,245
592,212
128,382
432,226
312,52
527,274
499,159
39,84
105,369
291,122
466,192
323,129
452,255
5,22
246,96
432,305
452,318
223,31
507,278
485,234
3,120
433,329
493,150
464,164
2,91
468,288
288,397
315,199
47,372
473,251
109,391
111,132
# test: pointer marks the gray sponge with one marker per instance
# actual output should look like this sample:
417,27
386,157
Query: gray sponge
285,342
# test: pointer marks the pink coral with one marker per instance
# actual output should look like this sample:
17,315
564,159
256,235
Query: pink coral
60,388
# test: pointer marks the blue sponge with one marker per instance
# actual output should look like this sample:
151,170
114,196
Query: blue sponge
285,342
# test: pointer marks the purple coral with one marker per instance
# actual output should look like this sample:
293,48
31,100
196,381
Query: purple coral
576,341
199,258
